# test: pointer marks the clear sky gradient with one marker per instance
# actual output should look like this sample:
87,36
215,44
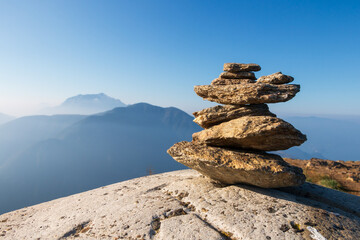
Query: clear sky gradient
156,51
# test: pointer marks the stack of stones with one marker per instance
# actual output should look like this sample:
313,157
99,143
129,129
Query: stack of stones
232,147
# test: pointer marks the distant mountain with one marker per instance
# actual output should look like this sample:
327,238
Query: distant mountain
297,153
85,104
101,149
5,118
21,133
333,139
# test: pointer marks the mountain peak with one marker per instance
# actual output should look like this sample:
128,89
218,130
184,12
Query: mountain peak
86,104
88,98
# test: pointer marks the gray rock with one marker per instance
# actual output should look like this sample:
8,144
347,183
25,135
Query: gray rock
247,93
224,81
252,132
130,210
209,117
239,75
237,166
276,78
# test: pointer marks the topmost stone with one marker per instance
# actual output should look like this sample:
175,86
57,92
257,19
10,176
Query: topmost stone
241,67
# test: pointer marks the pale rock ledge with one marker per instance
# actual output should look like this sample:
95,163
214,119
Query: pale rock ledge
186,205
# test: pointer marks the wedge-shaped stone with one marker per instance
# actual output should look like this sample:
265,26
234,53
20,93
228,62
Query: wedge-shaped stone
252,132
224,81
247,93
209,117
239,75
237,166
276,78
241,67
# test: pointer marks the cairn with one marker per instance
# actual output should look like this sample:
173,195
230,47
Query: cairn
231,148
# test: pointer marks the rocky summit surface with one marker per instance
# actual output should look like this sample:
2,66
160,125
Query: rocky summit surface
252,132
234,166
186,205
247,93
222,113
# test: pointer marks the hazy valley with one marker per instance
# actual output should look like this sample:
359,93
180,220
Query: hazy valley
46,157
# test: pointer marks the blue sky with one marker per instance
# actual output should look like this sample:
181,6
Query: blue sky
156,51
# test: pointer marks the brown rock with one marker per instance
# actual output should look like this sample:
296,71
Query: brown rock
275,78
247,93
237,166
252,132
215,115
346,173
241,67
239,75
224,81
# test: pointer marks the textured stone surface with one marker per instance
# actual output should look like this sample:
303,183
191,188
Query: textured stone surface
147,208
237,166
247,93
196,228
252,132
276,78
224,81
239,75
241,67
215,115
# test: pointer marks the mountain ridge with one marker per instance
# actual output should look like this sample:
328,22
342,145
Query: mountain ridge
100,149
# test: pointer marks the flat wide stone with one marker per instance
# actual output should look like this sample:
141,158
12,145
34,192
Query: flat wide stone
247,93
252,132
237,166
241,67
209,117
275,78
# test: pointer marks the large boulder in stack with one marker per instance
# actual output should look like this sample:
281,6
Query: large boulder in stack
252,132
237,166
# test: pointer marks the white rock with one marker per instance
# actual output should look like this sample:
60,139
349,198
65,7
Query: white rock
196,228
186,205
